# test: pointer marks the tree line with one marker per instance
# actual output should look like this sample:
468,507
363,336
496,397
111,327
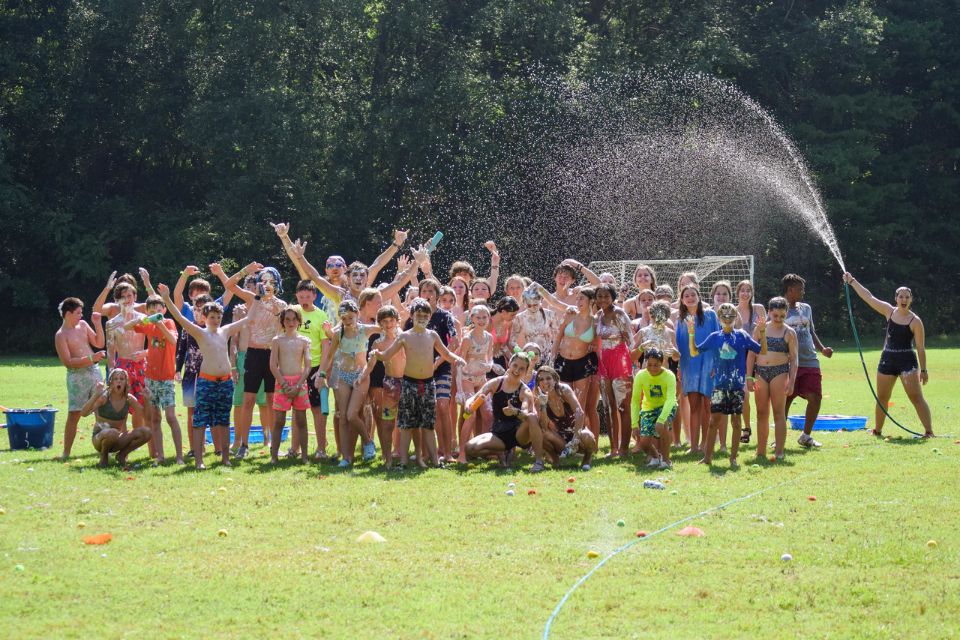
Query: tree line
162,132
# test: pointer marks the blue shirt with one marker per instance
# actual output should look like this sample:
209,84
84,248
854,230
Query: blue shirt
730,365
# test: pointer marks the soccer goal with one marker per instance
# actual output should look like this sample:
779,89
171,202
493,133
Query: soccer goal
709,269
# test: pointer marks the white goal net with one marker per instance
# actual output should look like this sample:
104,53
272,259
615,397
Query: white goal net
709,269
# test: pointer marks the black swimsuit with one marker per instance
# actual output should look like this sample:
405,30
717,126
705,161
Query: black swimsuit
563,423
504,426
898,356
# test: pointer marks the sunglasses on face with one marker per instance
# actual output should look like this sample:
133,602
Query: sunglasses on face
333,264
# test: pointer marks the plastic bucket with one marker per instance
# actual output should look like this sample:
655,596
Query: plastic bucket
255,437
30,428
831,423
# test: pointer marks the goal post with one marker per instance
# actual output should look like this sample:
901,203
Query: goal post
709,269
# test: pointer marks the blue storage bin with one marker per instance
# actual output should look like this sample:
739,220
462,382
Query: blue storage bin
831,423
255,437
30,428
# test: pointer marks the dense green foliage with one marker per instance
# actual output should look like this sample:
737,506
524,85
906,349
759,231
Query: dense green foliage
158,133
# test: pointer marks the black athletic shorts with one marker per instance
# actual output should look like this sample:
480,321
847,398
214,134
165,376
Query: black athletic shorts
506,430
574,370
895,363
256,369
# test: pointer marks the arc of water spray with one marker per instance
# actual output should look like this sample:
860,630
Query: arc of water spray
827,235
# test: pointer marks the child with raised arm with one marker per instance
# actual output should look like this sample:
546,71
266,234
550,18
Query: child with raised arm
161,336
418,398
126,348
264,326
214,384
290,364
73,341
729,375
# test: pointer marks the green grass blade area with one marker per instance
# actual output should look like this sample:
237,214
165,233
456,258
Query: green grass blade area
464,560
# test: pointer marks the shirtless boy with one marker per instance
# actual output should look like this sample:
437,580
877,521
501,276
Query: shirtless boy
214,385
126,348
73,341
418,398
290,365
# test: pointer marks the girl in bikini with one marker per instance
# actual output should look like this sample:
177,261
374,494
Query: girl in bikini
904,329
771,376
751,314
477,350
349,353
112,407
576,361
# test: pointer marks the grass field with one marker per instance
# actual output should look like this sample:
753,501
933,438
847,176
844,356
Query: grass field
463,560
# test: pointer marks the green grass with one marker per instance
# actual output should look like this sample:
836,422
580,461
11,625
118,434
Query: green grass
463,560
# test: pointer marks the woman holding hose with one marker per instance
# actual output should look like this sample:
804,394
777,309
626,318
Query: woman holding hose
898,360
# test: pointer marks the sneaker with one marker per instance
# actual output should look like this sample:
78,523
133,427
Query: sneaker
654,463
344,464
585,467
369,451
665,464
567,450
537,467
242,451
807,441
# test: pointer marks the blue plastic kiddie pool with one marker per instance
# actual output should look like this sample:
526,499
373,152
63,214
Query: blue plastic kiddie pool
256,435
832,423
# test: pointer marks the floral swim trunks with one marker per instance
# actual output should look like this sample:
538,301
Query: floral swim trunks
162,393
81,383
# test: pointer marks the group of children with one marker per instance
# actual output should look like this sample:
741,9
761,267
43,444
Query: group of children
456,370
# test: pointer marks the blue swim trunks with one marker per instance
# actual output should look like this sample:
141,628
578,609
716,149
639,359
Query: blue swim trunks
214,403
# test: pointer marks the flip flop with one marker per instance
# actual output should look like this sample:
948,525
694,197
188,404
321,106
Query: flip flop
745,435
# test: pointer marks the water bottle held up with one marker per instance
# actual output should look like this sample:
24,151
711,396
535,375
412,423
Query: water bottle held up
434,241
152,319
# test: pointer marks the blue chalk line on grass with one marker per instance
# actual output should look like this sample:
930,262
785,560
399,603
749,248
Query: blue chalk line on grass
617,551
